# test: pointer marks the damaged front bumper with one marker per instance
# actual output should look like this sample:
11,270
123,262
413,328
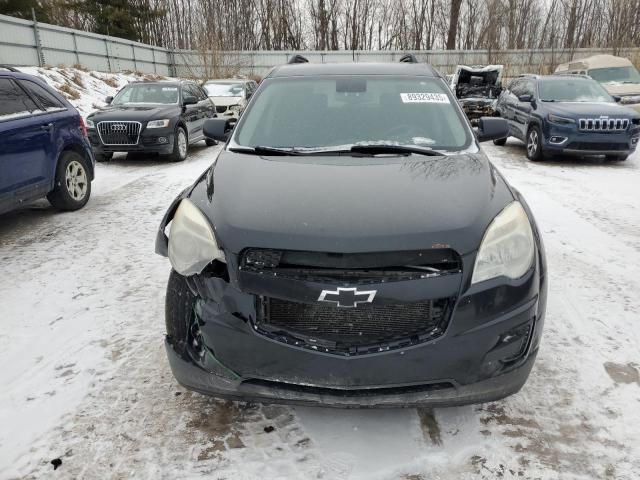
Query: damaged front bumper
486,352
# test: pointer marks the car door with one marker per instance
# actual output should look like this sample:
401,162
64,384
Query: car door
56,119
208,107
25,146
192,114
522,110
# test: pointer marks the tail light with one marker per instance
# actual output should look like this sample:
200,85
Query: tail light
83,127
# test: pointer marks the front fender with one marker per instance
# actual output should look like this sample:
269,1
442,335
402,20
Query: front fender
162,241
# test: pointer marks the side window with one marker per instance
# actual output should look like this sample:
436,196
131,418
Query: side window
46,99
202,95
528,88
516,88
189,90
14,100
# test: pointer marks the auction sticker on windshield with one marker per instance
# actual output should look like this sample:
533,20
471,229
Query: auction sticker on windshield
424,98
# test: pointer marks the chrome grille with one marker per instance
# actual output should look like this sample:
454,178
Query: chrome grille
119,133
603,124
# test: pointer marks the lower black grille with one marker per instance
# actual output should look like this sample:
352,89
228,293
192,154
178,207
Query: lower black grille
348,393
351,331
594,146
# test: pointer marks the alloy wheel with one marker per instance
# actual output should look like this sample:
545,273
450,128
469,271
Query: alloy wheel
182,143
532,144
76,180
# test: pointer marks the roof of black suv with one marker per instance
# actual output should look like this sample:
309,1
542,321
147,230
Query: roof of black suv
315,69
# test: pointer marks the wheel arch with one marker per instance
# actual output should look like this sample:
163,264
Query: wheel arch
80,150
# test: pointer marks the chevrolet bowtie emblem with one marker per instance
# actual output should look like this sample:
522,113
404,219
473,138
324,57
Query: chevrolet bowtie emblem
347,297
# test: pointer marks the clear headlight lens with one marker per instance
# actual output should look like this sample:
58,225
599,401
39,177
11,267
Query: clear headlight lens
630,99
560,120
158,123
507,248
192,245
90,123
235,108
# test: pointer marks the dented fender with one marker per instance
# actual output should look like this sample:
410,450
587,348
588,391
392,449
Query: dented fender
162,241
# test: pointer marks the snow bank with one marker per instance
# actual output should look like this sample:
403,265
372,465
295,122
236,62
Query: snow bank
86,90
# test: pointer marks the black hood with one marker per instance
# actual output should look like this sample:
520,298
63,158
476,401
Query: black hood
140,113
347,204
588,109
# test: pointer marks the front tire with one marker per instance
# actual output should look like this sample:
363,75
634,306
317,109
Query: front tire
179,311
72,187
180,145
534,144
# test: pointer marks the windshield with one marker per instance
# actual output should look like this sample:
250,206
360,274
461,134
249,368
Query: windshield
615,74
224,89
147,93
569,89
338,112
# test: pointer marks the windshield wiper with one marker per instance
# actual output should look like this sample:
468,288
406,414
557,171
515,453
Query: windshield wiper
381,149
259,150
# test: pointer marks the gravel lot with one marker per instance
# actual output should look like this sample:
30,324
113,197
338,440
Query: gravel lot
85,378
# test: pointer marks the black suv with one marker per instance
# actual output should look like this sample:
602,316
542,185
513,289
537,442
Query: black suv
573,115
151,117
360,250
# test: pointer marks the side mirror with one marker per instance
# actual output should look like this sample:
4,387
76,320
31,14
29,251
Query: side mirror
108,100
492,128
218,128
617,98
189,100
525,98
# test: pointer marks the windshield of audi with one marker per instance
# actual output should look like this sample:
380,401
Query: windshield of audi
147,93
564,89
332,114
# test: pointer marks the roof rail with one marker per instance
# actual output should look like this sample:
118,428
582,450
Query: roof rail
408,58
11,69
568,74
297,58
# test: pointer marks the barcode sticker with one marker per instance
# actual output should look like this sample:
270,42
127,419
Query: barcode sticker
424,98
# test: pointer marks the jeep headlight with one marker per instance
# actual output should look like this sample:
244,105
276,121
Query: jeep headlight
629,99
158,123
507,248
560,120
192,245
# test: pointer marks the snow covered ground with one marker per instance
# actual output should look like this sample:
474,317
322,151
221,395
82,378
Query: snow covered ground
85,379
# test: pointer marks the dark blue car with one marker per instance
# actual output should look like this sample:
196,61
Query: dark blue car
44,149
569,115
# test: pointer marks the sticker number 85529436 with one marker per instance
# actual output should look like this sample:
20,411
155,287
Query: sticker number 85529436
424,97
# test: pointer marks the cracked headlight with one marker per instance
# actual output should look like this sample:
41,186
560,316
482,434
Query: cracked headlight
158,123
507,248
192,245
